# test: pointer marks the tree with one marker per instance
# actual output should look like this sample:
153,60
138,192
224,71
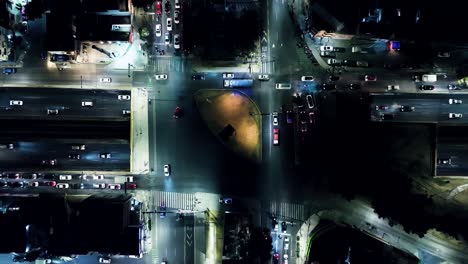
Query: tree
34,9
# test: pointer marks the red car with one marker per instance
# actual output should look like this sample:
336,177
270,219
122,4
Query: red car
158,8
50,183
177,112
131,186
276,136
370,78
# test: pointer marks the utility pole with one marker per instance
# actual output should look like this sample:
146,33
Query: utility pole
81,78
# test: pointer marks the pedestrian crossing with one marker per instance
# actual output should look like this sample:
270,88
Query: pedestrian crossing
185,201
287,210
165,64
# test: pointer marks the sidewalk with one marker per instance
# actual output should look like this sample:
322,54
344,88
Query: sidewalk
139,137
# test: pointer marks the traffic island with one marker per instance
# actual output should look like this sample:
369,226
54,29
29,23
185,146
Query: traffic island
234,119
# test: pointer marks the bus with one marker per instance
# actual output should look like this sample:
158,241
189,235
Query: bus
238,83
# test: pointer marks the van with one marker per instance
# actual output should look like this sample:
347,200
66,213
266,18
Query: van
285,86
87,103
429,78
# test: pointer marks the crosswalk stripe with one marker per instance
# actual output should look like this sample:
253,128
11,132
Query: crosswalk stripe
175,200
287,210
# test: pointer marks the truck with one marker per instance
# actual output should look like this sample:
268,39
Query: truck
463,82
238,83
429,78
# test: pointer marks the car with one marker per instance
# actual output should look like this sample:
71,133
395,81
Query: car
443,54
386,116
362,64
51,162
198,77
328,86
333,78
310,101
92,177
312,117
444,161
167,170
354,86
87,103
62,186
349,63
283,227
286,245
167,6
329,54
114,186
228,75
381,107
158,8
48,176
16,184
455,101
99,185
225,200
276,136
126,112
105,260
77,185
105,155
123,97
52,111
167,38
177,4
406,108
158,30
177,113
131,186
50,183
302,117
65,177
263,77
339,49
34,184
426,87
370,78
74,156
176,17
160,77
453,87
14,176
289,117
176,41
31,176
285,256
455,115
275,118
326,48
3,184
105,80
286,239
164,261
78,147
7,146
129,179
334,62
169,24
16,102
307,78
392,87
8,71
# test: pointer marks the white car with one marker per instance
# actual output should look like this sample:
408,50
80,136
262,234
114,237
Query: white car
62,186
158,30
326,48
96,177
333,62
126,112
16,102
78,147
129,179
123,97
307,78
455,115
105,80
105,260
393,87
167,39
275,118
87,103
176,17
65,177
176,41
52,111
113,186
263,77
228,75
34,184
169,24
99,185
105,155
310,101
159,77
455,101
177,4
167,170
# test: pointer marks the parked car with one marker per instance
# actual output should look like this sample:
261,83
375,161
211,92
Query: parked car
99,185
198,77
329,54
443,54
50,183
74,156
328,86
289,117
16,102
167,170
307,78
453,87
393,87
176,17
455,115
78,147
354,86
263,77
114,186
158,30
176,41
52,111
276,136
158,8
167,38
455,101
426,87
312,117
444,161
51,162
326,48
8,71
381,107
105,155
126,112
310,101
105,80
406,108
62,186
275,118
65,177
169,24
370,78
123,97
159,77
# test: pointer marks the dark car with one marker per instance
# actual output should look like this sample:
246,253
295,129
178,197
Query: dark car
289,116
406,108
16,184
386,116
177,113
303,117
426,87
283,227
334,78
51,162
197,77
167,6
14,176
444,161
349,63
48,176
354,86
74,156
453,87
328,86
3,184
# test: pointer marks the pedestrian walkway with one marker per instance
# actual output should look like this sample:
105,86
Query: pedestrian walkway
184,201
139,134
287,210
165,64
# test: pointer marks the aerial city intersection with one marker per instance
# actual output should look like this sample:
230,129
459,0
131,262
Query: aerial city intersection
253,131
